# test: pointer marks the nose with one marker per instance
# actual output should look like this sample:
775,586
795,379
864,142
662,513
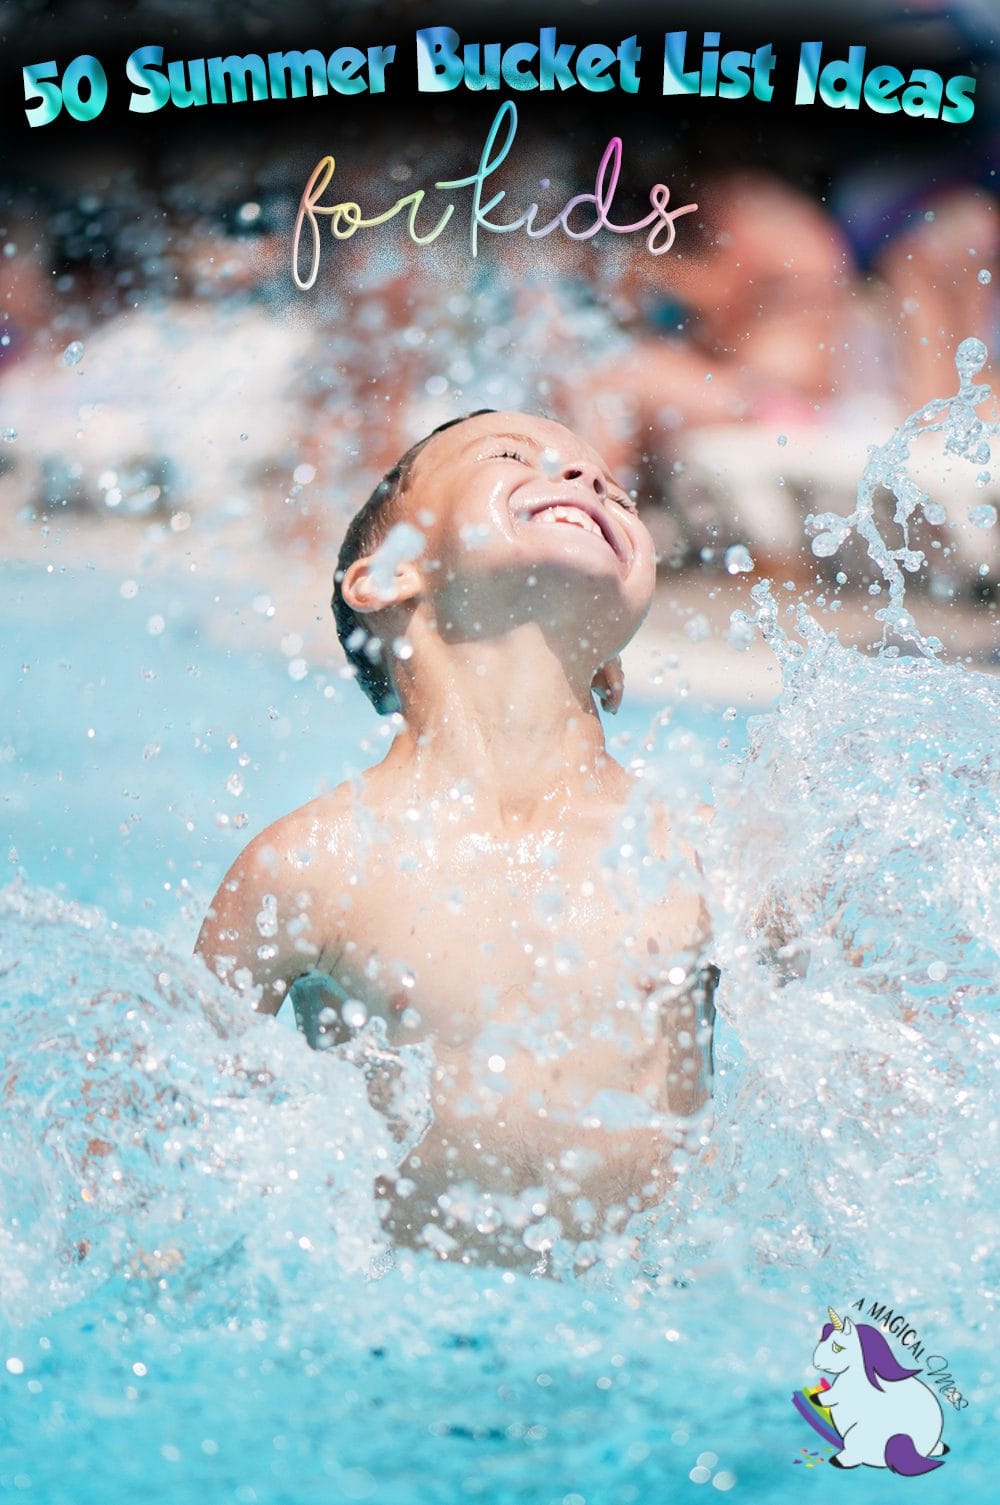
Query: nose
588,473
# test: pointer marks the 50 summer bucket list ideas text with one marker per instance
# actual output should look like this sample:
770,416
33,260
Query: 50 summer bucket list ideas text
838,78
681,66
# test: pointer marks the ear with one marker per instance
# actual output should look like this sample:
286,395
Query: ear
364,593
848,1327
609,685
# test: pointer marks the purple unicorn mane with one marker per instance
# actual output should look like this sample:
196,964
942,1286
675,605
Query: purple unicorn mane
879,1361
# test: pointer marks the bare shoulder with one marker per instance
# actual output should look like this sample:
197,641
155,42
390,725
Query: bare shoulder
291,863
302,843
272,917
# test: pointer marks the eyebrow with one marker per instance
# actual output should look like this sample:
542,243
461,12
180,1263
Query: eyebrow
518,439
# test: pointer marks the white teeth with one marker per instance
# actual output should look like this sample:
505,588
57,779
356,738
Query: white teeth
575,515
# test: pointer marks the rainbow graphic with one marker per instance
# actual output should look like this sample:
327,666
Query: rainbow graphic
808,1404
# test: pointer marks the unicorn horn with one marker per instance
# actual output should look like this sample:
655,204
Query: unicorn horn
838,1322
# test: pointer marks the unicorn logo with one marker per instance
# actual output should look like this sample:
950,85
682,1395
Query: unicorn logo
875,1411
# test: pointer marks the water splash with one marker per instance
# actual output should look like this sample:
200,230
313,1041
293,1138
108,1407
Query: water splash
967,436
173,1132
854,874
853,869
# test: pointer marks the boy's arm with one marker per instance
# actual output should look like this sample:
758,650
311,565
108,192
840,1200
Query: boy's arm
263,928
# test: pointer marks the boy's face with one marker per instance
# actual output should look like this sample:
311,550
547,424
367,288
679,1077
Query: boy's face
523,518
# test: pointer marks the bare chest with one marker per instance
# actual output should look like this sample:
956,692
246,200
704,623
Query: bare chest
455,934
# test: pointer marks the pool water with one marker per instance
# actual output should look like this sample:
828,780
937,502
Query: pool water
190,1308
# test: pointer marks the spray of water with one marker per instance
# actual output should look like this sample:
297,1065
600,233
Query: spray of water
967,436
153,1126
853,871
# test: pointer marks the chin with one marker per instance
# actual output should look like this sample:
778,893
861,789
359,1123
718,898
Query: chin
599,585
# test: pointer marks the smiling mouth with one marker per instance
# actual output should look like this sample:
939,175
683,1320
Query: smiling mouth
577,516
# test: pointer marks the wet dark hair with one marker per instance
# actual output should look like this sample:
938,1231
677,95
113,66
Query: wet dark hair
365,533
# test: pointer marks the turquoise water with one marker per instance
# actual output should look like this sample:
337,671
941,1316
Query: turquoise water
194,1311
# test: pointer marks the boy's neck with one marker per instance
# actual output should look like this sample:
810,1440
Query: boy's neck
521,726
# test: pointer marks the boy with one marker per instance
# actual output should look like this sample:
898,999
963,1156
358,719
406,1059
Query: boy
462,889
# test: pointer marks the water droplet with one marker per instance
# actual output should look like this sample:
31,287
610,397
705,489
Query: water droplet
543,1234
983,516
401,544
970,357
782,439
741,632
475,535
234,784
9,435
937,971
984,277
738,559
354,1013
73,354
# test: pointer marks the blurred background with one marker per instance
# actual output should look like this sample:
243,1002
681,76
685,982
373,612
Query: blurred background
170,400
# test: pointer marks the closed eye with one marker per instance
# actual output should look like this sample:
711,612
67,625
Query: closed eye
627,503
510,454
